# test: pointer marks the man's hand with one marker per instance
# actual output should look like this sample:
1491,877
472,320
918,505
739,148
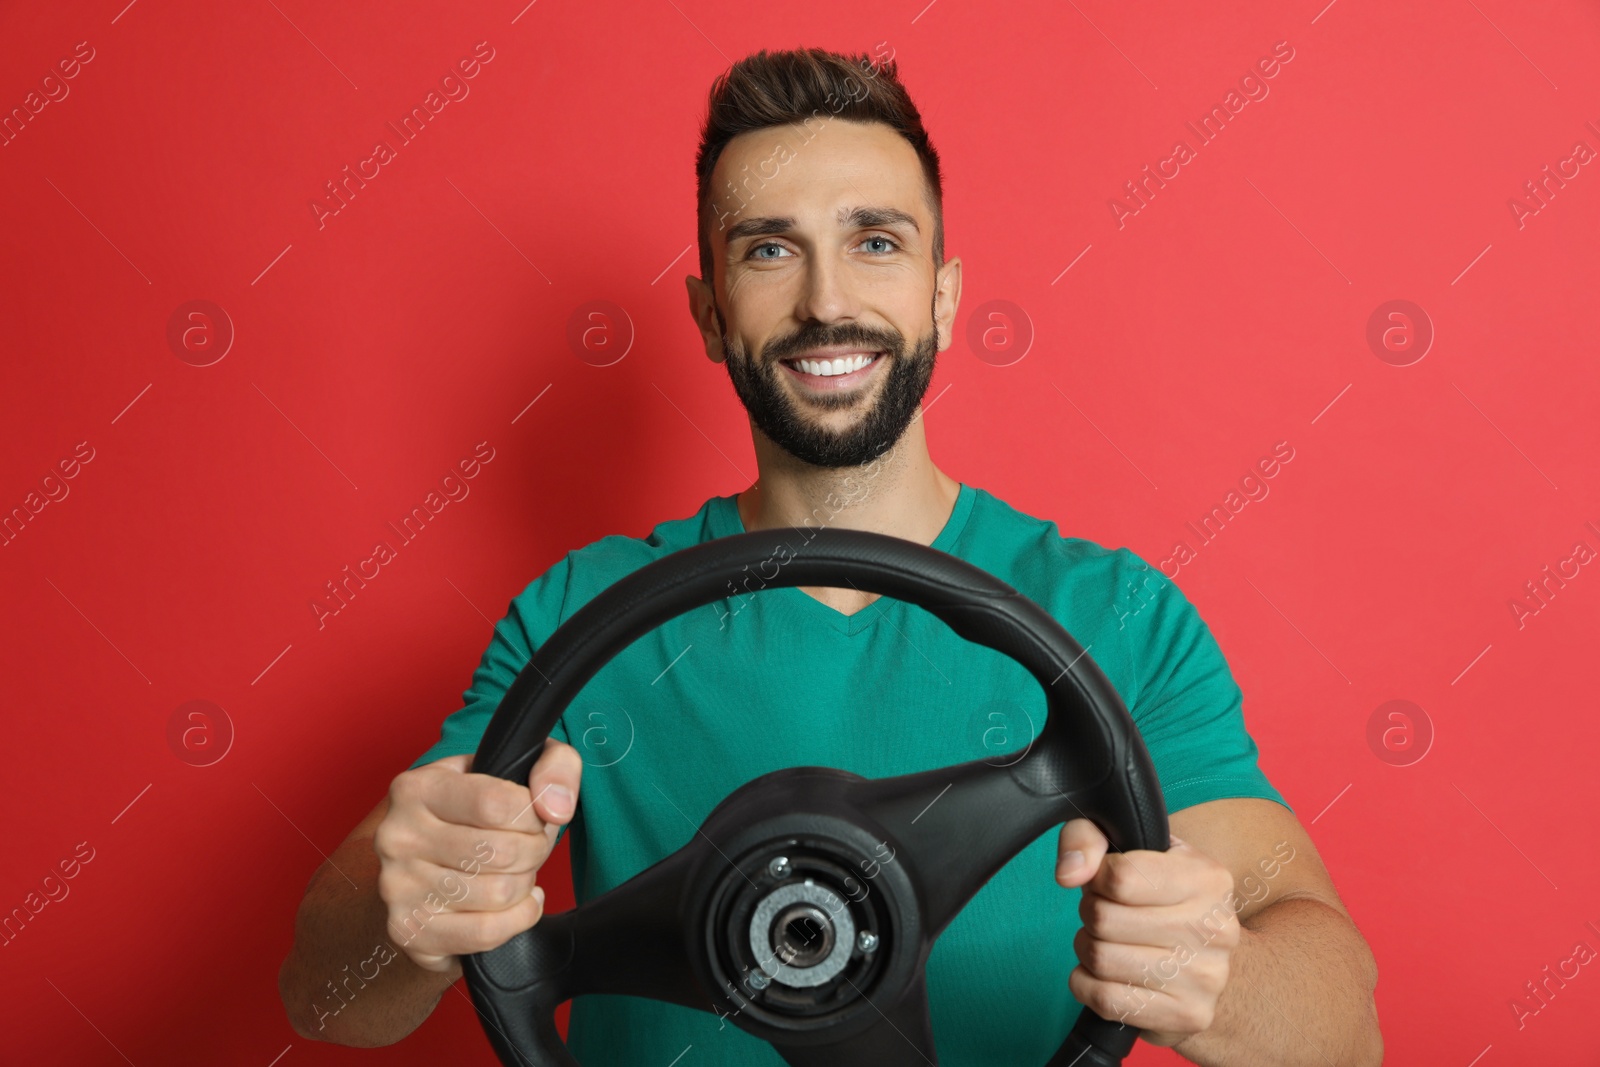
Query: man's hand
459,853
1158,930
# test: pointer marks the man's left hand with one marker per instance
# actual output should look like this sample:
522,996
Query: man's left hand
1158,931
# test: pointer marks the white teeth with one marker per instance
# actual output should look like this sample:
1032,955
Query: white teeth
827,368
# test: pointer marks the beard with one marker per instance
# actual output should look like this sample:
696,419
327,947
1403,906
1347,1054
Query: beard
778,415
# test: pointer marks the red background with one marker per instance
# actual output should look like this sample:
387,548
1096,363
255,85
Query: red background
373,353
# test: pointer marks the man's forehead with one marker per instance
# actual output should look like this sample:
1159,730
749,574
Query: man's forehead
842,171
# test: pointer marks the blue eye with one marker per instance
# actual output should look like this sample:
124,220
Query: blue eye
894,246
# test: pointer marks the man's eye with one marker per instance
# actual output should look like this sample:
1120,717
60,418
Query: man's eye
768,244
885,240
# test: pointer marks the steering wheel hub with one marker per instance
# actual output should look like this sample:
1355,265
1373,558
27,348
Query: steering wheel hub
802,925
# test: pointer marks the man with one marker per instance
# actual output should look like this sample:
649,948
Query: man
826,296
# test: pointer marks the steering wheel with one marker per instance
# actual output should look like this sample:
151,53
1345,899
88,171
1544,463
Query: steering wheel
765,916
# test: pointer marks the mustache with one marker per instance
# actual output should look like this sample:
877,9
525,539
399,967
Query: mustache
791,347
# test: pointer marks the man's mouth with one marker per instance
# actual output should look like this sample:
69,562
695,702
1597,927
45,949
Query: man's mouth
835,374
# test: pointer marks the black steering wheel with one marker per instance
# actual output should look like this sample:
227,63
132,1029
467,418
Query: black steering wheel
764,916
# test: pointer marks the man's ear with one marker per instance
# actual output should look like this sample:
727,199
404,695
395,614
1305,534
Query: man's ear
702,308
946,299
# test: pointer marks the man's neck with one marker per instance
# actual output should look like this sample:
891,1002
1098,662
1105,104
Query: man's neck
901,493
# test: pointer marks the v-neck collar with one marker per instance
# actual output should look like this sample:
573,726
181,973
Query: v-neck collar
725,521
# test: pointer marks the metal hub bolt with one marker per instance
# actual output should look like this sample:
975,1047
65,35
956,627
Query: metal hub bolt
867,941
758,980
779,867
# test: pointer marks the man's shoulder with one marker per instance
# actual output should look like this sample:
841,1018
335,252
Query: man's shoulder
1010,542
600,563
1125,612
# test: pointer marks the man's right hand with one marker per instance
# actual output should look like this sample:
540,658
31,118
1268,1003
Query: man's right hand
459,853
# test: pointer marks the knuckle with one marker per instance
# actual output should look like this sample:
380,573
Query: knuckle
407,787
1083,947
407,937
439,964
471,858
1093,911
1104,1000
479,932
517,854
510,889
488,893
1128,1000
490,929
1119,875
1195,1016
499,858
499,891
389,886
393,840
383,841
1214,974
538,851
495,807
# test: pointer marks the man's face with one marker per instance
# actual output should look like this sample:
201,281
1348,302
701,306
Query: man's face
830,249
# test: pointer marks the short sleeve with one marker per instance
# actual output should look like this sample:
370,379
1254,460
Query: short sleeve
1188,708
532,617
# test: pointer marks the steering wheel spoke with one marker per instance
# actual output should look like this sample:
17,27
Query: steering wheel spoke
627,941
955,828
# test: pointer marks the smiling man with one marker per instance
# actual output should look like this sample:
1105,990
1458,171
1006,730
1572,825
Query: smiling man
825,294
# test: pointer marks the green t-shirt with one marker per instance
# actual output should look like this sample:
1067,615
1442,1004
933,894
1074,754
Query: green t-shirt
760,681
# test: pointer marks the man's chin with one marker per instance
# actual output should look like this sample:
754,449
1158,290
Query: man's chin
844,449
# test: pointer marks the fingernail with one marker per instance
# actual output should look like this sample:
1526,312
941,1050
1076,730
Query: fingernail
538,894
558,799
1070,861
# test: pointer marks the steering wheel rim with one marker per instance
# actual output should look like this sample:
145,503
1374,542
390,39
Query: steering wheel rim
675,928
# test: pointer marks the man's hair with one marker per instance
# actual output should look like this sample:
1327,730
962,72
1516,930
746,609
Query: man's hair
807,87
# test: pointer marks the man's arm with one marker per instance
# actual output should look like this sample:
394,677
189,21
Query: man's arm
444,866
1232,948
1301,979
340,938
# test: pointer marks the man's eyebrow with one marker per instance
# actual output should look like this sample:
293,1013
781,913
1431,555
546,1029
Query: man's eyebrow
849,218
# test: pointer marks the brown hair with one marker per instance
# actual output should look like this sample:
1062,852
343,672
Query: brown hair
792,87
